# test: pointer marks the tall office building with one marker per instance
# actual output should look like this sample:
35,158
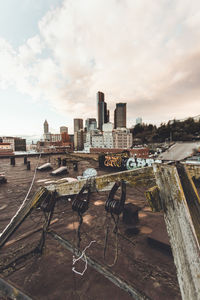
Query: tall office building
63,129
47,134
102,112
108,116
78,124
79,139
78,134
120,115
90,124
46,127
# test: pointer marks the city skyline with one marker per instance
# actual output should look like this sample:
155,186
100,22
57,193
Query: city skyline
56,54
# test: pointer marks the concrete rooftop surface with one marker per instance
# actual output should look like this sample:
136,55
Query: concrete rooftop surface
144,258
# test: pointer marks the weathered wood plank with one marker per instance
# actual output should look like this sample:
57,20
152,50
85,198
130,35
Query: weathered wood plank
7,291
139,177
194,170
181,230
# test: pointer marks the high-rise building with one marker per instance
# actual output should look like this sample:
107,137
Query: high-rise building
108,135
46,127
90,124
120,115
79,139
63,129
122,138
47,134
78,124
108,116
102,112
78,134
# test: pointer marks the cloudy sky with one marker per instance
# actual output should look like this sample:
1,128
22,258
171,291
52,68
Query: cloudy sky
56,54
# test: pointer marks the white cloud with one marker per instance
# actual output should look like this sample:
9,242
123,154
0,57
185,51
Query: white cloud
140,52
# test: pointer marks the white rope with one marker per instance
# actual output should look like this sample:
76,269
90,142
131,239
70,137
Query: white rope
25,199
84,257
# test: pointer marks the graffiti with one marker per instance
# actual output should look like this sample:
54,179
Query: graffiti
131,164
116,160
123,161
113,161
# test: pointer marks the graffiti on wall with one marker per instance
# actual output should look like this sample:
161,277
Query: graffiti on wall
116,160
124,162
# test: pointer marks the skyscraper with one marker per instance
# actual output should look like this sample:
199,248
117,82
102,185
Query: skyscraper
78,124
46,127
90,124
63,129
47,134
120,115
78,134
102,112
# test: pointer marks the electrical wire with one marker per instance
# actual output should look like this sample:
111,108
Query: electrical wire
115,231
83,255
25,199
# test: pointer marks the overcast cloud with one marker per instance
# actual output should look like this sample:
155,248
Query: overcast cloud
143,52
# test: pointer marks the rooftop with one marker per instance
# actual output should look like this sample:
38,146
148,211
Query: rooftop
149,269
179,151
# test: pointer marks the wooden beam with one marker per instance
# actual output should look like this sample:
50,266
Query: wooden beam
21,214
194,170
182,229
136,177
7,291
27,234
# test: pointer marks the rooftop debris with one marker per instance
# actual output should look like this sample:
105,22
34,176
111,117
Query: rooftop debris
59,171
2,178
45,167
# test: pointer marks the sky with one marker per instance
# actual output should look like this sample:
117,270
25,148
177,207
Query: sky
56,54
